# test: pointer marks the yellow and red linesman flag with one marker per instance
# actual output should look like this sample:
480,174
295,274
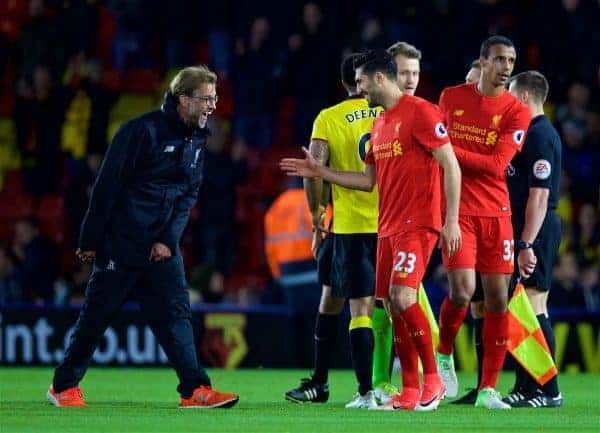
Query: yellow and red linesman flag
526,341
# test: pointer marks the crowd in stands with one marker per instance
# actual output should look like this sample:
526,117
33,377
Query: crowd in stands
72,71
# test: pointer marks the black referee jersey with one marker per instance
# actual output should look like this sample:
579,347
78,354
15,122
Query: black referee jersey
538,165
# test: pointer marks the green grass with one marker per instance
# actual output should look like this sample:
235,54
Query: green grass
144,400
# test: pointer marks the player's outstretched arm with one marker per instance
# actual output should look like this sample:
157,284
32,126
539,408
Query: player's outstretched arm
309,167
450,235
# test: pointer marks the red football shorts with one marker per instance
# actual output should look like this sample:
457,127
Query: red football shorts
487,245
402,259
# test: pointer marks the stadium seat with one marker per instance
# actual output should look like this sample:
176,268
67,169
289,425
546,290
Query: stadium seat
202,53
225,105
106,32
7,100
75,128
51,213
112,79
9,154
271,180
14,204
12,186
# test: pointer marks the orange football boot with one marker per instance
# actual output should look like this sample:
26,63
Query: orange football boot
204,397
71,397
431,394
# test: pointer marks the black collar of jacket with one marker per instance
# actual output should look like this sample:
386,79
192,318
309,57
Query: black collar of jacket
169,108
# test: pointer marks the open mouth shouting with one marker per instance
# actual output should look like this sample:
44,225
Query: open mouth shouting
203,118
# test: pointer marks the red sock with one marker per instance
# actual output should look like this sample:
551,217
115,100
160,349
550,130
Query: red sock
407,353
451,317
420,333
495,337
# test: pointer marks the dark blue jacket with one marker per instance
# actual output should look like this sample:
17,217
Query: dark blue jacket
147,184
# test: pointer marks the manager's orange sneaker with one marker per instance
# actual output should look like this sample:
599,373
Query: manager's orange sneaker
204,397
71,397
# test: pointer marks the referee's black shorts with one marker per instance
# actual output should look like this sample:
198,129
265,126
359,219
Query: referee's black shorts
545,248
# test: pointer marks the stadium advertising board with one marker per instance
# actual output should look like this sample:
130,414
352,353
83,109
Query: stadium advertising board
240,338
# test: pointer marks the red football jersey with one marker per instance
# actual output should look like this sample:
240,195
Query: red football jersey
408,176
486,133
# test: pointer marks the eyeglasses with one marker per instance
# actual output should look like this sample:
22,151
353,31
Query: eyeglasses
208,99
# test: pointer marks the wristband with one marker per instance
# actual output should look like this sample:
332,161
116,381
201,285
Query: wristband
523,245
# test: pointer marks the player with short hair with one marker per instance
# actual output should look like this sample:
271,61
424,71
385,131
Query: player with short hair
408,62
476,305
533,183
409,144
346,260
407,58
487,127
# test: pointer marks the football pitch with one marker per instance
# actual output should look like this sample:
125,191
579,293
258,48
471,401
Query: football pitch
144,400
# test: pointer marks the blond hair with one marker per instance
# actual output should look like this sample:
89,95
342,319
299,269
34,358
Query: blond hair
404,49
476,64
189,79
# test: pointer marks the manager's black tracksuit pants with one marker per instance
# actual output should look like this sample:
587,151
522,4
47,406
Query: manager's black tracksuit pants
162,292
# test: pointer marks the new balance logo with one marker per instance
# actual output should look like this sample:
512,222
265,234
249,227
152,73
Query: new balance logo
193,164
111,266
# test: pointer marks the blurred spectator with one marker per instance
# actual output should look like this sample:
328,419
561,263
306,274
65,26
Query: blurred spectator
12,16
135,21
39,42
371,35
77,22
218,240
78,191
37,261
39,115
101,99
218,24
10,289
586,240
578,154
70,289
593,129
180,21
86,76
566,290
44,43
255,78
571,116
312,70
590,282
288,237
